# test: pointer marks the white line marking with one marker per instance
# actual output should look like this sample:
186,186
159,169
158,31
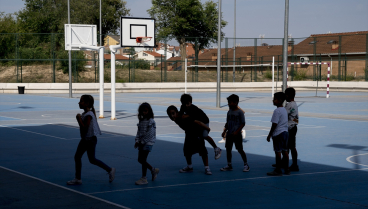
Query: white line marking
11,117
34,132
348,159
210,182
47,182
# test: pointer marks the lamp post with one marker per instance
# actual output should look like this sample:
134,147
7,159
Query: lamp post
100,25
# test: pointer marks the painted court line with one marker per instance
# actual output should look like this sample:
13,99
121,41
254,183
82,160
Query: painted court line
47,182
231,180
348,159
34,132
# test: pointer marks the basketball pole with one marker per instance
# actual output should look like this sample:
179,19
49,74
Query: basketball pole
70,59
218,92
113,49
186,71
285,50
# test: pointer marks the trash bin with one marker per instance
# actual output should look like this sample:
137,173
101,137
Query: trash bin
21,89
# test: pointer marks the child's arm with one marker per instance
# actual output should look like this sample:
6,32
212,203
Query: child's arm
83,126
201,124
273,127
225,130
239,129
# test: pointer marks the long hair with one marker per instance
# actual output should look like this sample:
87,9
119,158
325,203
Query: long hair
141,108
90,101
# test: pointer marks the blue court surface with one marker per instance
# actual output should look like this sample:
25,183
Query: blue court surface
39,136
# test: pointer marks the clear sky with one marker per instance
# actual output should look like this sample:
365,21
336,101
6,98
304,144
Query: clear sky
255,17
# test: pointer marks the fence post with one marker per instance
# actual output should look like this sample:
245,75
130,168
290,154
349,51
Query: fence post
339,70
161,67
165,73
196,51
315,69
16,54
255,59
366,58
226,59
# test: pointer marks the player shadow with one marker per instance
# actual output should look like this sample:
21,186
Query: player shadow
355,149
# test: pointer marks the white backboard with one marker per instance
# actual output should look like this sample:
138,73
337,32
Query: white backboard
76,35
133,27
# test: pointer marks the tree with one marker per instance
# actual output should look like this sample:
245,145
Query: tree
49,16
8,24
185,19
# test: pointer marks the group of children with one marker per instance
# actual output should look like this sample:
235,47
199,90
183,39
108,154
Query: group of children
195,123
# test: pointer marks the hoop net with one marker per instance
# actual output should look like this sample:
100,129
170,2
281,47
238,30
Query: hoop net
140,40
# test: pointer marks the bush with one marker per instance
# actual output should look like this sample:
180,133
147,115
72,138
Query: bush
300,75
268,74
64,63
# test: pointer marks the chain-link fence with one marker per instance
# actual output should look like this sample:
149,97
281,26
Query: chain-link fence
42,58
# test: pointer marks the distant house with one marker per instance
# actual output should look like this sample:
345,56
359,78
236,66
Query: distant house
111,40
152,57
119,59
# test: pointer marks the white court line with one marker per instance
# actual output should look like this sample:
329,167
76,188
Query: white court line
348,159
47,182
231,180
11,117
34,132
135,125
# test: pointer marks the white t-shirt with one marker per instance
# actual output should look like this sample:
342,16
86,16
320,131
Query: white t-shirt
280,117
293,114
93,129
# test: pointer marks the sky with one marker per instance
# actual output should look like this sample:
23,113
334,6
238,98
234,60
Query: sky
266,17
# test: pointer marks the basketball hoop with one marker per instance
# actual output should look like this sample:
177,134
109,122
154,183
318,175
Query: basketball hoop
140,40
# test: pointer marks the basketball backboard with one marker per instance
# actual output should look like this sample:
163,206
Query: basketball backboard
77,35
133,27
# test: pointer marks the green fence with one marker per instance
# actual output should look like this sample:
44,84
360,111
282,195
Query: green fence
42,58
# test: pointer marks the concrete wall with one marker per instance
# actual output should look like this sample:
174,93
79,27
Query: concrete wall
179,87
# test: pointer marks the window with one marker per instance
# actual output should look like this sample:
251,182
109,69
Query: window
145,55
313,42
330,42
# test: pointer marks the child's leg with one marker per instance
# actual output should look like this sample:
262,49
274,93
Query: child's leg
292,145
294,156
142,159
210,140
205,160
278,161
239,147
81,149
188,159
91,150
285,160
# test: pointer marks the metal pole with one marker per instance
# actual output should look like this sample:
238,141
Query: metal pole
285,50
100,25
234,40
101,55
186,70
113,108
70,59
273,76
218,92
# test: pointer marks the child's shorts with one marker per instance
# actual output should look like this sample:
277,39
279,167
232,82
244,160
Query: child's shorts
193,145
144,147
292,137
280,142
237,140
205,132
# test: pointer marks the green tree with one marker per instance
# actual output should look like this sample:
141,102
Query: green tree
186,18
49,16
8,24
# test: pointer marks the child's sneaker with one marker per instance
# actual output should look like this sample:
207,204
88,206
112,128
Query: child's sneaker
287,171
186,170
227,168
74,182
142,181
112,174
294,167
222,141
246,168
207,171
217,153
275,172
154,173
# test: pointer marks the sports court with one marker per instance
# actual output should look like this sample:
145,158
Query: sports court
39,136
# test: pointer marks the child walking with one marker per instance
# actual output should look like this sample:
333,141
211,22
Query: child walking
293,120
189,109
89,129
235,121
194,141
279,134
144,141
